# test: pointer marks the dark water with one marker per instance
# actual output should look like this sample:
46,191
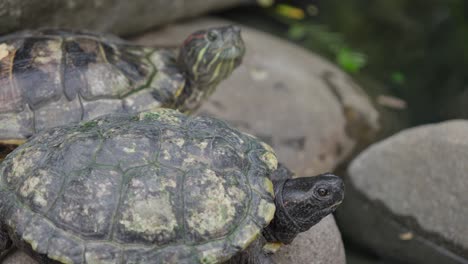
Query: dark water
414,50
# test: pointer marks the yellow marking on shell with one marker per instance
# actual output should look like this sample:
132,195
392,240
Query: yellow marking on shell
166,155
169,183
22,163
150,216
103,53
199,58
178,141
267,147
29,238
218,209
237,193
213,252
272,247
36,187
5,50
54,55
266,210
269,158
12,141
130,150
202,145
58,256
268,186
189,161
246,235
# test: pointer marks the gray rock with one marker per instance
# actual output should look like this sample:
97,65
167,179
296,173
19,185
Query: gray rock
306,108
18,257
319,245
407,195
118,16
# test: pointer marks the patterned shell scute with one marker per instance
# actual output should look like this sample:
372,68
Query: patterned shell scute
52,77
155,187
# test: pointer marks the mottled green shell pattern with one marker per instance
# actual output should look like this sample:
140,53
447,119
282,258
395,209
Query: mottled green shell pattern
54,77
157,187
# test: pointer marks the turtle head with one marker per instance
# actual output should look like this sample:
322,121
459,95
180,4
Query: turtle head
303,202
209,56
308,200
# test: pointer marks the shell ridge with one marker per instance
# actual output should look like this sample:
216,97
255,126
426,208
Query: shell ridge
122,193
59,194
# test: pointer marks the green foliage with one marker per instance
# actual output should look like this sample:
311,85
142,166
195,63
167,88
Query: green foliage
332,44
398,78
351,61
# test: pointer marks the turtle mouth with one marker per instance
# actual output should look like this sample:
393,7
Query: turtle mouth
232,52
335,205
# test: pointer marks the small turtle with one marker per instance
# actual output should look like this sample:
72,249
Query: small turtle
154,187
53,77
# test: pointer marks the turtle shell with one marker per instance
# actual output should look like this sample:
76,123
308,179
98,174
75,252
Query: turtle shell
157,187
54,77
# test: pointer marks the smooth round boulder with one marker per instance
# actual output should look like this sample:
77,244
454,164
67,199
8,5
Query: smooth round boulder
406,196
310,111
118,16
316,246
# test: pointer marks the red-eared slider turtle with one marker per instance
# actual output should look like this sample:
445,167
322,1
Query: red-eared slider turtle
154,187
53,77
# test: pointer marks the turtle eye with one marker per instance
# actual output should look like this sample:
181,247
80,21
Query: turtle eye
212,36
322,192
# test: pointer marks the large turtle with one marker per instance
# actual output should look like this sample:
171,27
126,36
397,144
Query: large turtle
154,187
52,77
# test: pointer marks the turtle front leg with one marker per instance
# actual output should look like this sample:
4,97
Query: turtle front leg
6,244
254,254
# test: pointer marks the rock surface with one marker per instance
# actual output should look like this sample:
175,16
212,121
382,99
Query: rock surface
319,245
306,108
118,16
18,257
407,195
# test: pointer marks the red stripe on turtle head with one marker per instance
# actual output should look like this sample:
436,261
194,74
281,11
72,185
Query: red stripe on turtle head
194,36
